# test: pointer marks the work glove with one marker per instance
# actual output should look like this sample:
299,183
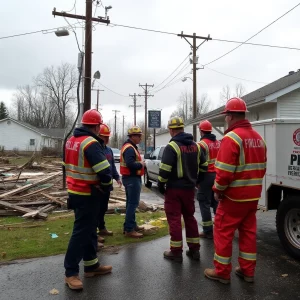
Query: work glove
161,188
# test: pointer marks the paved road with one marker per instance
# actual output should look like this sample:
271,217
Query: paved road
140,272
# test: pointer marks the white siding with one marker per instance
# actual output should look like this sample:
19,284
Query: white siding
14,136
289,105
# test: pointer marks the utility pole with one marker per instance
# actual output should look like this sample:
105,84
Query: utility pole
98,92
194,47
123,136
145,88
88,46
116,111
134,107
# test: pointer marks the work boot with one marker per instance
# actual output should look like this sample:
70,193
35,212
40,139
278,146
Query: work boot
173,256
101,270
133,234
206,235
239,273
74,282
193,254
101,239
105,232
139,228
99,246
211,274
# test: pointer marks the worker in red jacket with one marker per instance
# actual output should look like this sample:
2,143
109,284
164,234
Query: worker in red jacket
240,168
205,195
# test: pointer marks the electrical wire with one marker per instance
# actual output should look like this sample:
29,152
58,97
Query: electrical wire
74,7
113,91
253,35
74,31
234,76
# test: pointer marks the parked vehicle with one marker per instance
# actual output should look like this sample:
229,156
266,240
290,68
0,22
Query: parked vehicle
116,153
152,165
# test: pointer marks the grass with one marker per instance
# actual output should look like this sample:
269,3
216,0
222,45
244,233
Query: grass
20,243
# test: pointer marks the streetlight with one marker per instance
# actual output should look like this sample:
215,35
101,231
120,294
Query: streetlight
106,9
62,32
185,79
97,75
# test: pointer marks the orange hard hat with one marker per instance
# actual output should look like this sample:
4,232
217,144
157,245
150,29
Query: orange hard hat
205,126
104,130
235,105
92,117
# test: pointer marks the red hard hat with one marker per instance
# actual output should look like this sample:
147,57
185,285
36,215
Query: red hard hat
92,117
205,126
104,130
235,105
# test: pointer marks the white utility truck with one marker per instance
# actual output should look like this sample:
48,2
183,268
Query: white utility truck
281,185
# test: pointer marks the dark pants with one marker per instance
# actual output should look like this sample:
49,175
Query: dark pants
83,242
103,210
133,185
205,196
181,202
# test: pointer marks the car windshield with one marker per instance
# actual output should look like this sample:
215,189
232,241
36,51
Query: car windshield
115,150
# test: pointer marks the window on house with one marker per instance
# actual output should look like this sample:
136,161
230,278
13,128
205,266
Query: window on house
32,142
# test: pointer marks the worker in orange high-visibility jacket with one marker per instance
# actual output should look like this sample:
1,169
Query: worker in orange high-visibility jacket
240,168
88,178
205,195
132,170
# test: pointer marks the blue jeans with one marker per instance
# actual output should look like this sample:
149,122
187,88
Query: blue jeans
133,185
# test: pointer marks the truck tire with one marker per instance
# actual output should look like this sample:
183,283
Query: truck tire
148,183
288,224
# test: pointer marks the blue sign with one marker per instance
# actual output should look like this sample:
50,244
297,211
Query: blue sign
154,118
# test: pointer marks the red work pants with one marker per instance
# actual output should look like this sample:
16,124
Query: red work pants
181,202
232,215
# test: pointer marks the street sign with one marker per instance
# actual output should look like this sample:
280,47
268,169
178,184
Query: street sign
154,118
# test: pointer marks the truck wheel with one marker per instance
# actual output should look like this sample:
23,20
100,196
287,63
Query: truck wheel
288,224
147,182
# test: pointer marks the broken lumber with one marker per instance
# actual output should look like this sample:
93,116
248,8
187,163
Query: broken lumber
37,191
28,186
59,202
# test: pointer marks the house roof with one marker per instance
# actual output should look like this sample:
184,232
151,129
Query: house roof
254,97
49,132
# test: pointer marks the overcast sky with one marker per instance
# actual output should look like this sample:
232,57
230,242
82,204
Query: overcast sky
127,57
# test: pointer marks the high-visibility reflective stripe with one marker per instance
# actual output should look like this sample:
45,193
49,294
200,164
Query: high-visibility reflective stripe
81,176
107,183
193,240
176,243
179,161
122,163
101,166
242,200
83,144
203,165
198,157
251,167
222,260
246,182
206,150
165,167
74,168
247,256
207,223
89,263
225,167
162,179
78,193
239,141
220,187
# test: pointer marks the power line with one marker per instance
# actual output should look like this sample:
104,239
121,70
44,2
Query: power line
113,91
74,7
234,76
253,35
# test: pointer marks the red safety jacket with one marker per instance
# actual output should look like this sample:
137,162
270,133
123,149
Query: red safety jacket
211,149
241,163
124,170
80,175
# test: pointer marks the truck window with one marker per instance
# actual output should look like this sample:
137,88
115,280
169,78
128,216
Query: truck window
155,153
161,153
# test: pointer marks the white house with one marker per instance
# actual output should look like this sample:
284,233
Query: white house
279,99
19,136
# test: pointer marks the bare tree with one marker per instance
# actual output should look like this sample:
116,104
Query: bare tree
58,84
203,105
225,94
240,90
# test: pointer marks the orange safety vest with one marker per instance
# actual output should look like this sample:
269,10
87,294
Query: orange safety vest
80,175
124,170
211,148
241,165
